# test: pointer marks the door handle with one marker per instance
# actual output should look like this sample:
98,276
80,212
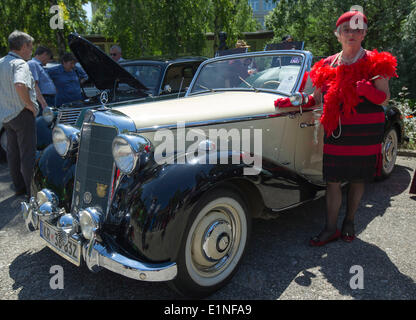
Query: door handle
305,125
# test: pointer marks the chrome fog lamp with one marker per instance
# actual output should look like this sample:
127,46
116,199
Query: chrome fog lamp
65,139
48,115
46,195
128,150
90,221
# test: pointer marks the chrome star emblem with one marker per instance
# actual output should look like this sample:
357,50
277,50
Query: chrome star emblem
104,97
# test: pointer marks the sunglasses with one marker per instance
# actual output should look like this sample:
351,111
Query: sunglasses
356,31
113,54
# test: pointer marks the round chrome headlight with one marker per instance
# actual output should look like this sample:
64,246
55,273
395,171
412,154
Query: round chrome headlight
90,221
48,115
65,138
127,151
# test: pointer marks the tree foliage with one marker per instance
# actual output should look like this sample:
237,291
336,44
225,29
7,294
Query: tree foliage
406,54
170,27
33,17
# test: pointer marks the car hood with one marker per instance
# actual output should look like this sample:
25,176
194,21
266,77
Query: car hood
103,70
199,108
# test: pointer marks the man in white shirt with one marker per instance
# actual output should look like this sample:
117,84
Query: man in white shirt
18,110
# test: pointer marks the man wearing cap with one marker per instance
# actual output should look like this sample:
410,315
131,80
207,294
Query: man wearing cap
354,84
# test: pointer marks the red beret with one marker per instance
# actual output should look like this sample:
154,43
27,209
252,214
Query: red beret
348,15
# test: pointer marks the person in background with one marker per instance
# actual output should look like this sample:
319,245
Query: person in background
68,80
45,88
353,85
115,53
287,38
18,110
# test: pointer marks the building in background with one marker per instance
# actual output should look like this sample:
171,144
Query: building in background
261,8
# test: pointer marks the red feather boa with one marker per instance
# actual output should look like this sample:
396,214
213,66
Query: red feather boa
339,84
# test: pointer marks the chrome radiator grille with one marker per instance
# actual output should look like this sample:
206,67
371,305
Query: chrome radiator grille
69,115
94,170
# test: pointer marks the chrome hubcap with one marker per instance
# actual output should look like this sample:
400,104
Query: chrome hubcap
215,240
390,151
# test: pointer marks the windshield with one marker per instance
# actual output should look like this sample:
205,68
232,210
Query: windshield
148,75
273,72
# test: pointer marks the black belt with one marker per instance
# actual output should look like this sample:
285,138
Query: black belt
49,95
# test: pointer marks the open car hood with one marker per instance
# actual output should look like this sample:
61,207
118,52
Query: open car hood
102,70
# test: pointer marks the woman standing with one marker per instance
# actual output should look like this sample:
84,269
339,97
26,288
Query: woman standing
353,86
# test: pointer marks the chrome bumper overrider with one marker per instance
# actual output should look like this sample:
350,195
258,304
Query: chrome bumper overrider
96,254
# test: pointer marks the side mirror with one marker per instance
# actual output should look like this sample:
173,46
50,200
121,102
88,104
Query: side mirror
298,99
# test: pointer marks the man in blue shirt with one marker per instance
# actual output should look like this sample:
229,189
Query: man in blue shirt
67,79
45,89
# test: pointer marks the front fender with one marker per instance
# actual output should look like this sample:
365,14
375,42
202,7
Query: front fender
53,172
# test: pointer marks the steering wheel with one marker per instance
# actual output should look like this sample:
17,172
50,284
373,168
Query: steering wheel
271,82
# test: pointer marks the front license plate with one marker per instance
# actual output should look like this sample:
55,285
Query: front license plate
70,251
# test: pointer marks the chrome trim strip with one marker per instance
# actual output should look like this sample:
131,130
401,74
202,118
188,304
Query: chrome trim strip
223,121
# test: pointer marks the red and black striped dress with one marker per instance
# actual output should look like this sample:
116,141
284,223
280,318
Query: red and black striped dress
353,152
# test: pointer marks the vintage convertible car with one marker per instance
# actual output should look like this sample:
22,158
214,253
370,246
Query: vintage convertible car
166,191
140,79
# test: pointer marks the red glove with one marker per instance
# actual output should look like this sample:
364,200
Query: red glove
285,103
366,89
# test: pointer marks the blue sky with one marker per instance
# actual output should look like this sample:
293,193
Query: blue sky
87,8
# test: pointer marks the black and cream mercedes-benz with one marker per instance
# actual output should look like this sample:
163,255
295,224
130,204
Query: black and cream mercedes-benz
166,191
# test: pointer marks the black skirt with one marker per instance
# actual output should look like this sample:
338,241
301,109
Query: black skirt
353,151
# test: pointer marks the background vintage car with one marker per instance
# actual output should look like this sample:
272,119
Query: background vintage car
152,211
146,79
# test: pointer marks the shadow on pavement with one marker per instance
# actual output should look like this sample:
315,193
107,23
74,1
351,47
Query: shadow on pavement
269,268
31,274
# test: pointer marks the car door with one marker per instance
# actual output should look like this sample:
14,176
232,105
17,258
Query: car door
309,145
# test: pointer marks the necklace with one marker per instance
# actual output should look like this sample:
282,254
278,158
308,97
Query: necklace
344,60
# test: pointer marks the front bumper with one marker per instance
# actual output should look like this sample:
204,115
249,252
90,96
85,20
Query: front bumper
96,253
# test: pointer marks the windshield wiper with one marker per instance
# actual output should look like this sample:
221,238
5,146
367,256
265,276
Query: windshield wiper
205,88
248,84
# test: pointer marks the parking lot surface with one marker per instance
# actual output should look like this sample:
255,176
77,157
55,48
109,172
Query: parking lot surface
279,264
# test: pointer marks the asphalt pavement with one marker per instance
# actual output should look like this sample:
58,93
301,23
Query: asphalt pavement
279,264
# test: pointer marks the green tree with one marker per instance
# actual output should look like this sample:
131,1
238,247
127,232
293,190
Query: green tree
170,27
406,55
34,18
232,16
